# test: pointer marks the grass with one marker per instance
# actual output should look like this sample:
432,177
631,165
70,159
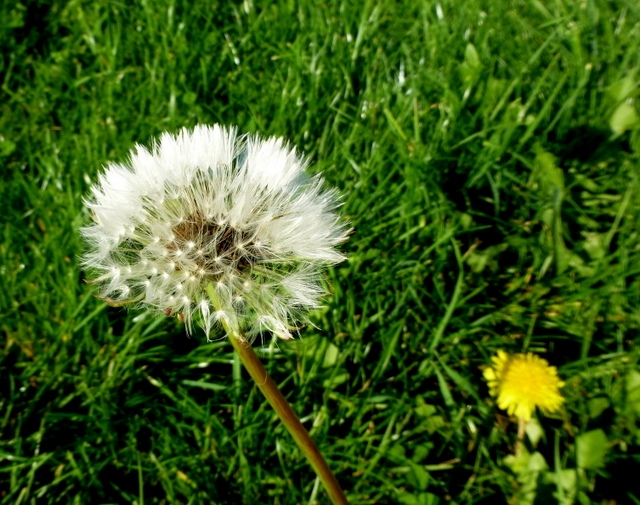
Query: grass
488,156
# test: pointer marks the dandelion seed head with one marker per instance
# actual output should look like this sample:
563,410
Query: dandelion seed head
208,209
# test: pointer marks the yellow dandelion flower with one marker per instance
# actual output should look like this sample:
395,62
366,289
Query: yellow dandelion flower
522,382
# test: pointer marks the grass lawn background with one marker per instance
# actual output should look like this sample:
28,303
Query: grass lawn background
488,158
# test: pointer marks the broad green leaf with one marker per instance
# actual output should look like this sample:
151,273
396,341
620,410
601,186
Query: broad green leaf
396,454
428,499
430,420
479,259
432,424
566,482
624,118
335,381
546,173
591,448
421,452
537,463
527,466
6,146
567,478
494,91
597,406
418,477
524,462
424,409
534,431
471,56
470,68
622,89
594,244
330,355
406,498
582,498
465,220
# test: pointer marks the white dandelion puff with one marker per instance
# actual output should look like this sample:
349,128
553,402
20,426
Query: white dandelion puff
207,212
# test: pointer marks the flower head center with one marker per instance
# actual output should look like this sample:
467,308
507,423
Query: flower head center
212,245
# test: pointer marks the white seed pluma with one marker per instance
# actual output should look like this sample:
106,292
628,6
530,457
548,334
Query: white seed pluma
214,227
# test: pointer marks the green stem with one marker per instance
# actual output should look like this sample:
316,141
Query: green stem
286,414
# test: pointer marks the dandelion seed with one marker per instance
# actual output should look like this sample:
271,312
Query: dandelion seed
522,382
237,211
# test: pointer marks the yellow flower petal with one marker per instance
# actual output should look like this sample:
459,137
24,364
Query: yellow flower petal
522,382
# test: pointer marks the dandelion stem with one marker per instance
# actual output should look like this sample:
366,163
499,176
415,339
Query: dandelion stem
276,399
522,426
288,417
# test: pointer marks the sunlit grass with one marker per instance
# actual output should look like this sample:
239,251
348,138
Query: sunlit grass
488,161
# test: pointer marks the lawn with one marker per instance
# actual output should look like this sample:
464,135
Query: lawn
488,159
